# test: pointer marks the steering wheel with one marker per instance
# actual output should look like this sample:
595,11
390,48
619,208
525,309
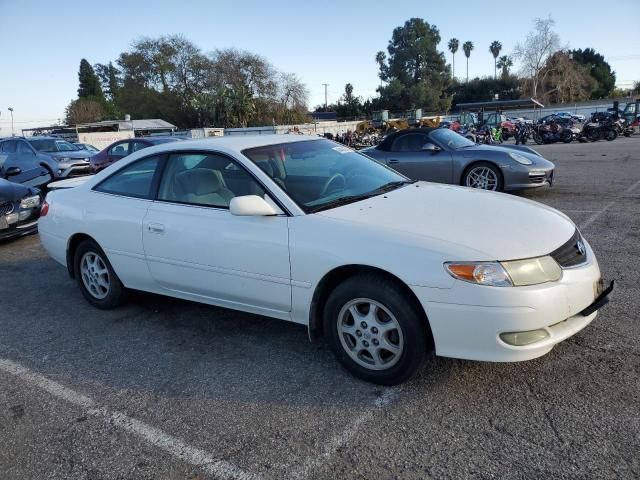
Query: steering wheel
336,177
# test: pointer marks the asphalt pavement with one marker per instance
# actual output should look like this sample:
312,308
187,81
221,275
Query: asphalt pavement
167,389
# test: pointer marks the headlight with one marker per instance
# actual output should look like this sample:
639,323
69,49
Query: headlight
520,158
518,273
63,159
30,202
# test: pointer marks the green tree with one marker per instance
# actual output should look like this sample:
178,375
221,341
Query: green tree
467,47
415,71
599,70
505,63
89,84
453,45
495,49
109,77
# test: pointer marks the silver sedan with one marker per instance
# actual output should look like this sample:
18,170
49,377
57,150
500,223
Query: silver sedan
443,156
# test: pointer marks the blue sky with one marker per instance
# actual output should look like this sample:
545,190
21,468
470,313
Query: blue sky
334,42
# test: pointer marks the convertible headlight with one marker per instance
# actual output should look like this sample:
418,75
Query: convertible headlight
515,273
30,202
520,158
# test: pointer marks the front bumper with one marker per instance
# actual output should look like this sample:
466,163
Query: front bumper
12,225
471,330
74,168
525,177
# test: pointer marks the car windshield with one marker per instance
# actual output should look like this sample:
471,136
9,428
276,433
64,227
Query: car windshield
51,145
450,139
322,174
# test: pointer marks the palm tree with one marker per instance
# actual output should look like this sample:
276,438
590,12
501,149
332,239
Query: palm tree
467,47
495,48
505,63
454,43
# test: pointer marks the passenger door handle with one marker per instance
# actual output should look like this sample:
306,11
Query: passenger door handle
393,160
155,227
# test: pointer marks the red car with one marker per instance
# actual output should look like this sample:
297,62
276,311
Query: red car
122,148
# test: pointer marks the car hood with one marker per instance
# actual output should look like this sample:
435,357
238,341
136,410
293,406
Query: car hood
77,155
12,192
497,226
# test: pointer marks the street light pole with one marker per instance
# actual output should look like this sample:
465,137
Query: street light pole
325,95
11,110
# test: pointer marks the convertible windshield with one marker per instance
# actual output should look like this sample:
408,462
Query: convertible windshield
48,145
321,174
450,139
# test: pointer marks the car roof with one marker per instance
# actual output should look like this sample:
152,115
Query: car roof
240,142
385,145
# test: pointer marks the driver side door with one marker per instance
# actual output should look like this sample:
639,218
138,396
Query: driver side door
408,157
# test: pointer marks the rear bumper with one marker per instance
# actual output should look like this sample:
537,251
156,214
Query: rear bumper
471,330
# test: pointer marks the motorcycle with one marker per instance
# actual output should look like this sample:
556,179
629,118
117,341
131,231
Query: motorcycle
552,132
523,132
598,128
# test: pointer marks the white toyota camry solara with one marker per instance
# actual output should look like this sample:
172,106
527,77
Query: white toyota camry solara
303,229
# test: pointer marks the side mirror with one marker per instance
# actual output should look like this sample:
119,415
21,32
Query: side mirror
430,147
251,206
12,172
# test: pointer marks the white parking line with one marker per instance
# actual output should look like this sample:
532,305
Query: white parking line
156,437
596,215
340,440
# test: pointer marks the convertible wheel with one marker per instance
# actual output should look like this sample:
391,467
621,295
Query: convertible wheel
98,282
374,330
484,176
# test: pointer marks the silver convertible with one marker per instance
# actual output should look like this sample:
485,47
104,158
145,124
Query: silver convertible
443,156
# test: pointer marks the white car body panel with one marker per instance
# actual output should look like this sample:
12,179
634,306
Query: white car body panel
273,265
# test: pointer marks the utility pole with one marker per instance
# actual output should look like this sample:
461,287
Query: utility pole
325,95
11,110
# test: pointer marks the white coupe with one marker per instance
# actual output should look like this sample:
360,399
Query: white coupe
306,230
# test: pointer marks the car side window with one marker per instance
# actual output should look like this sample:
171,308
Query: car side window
23,147
205,179
9,146
134,180
138,145
120,150
412,142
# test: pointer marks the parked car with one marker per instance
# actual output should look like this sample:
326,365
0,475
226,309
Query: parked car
499,121
553,118
67,159
24,165
573,116
120,149
440,155
307,230
19,209
86,146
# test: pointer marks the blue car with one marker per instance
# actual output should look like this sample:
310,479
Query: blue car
41,157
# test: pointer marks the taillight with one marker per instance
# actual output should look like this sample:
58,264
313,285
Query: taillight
44,209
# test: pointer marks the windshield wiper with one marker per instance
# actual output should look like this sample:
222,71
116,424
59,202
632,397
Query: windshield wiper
338,202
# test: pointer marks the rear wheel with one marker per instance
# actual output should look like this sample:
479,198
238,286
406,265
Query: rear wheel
375,331
98,282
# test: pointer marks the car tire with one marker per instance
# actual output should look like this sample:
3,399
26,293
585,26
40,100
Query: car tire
493,176
367,313
96,278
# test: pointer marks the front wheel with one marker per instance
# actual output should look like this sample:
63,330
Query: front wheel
484,176
375,331
538,139
96,278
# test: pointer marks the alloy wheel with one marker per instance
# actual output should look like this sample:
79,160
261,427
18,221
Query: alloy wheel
483,178
95,275
370,334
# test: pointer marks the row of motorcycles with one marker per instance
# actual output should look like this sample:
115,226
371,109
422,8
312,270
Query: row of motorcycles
601,126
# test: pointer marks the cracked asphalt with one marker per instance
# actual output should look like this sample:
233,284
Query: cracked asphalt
254,393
